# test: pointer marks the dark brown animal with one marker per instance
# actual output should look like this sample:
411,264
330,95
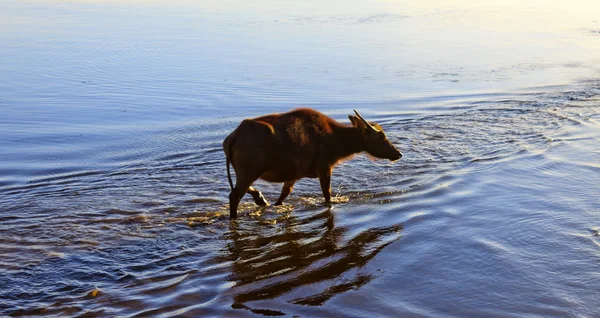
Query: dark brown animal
294,145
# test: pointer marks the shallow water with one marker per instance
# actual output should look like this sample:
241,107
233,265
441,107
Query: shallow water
113,191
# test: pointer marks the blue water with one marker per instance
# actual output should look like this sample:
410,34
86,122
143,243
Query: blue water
113,190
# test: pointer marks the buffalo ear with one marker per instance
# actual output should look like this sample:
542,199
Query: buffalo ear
356,122
352,120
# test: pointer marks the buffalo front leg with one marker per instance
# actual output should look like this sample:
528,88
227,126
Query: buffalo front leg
325,180
285,191
257,196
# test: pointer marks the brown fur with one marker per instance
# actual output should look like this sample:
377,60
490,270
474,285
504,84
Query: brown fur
294,145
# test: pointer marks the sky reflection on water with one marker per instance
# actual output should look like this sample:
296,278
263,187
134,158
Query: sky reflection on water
113,191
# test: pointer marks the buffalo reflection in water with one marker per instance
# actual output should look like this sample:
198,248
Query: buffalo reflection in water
302,250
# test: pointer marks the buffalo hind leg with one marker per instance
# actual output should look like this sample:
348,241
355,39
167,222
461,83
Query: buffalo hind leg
325,181
242,185
285,191
257,196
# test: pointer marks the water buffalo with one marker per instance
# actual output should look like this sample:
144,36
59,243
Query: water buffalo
299,144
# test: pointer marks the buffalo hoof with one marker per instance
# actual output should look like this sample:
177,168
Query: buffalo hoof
260,199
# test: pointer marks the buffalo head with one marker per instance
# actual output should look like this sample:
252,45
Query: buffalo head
375,141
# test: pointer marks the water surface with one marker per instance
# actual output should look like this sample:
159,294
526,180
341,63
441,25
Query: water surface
113,191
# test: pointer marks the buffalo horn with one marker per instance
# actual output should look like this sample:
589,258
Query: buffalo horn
365,121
